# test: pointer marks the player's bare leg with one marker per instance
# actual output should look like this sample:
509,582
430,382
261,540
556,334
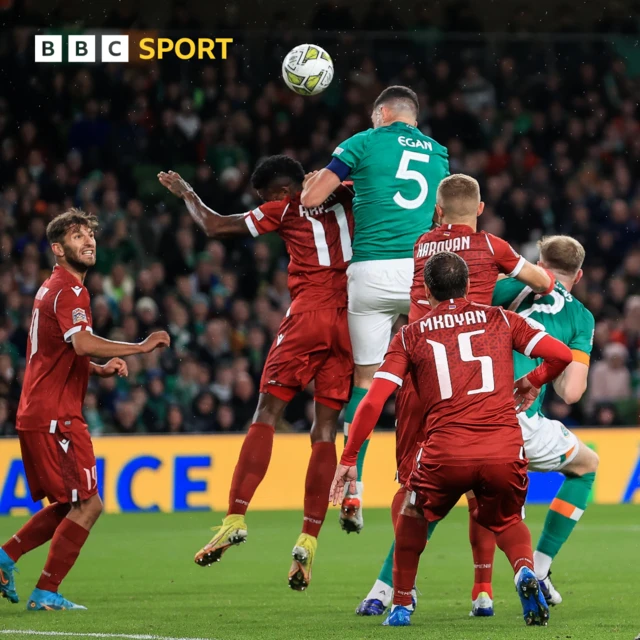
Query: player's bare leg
411,540
37,530
483,548
563,515
351,519
320,472
66,544
250,470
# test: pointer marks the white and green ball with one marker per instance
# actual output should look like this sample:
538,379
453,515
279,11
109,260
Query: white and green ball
307,69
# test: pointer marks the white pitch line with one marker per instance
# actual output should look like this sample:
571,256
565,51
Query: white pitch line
62,634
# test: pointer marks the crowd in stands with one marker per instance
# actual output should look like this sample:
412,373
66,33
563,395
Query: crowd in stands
556,149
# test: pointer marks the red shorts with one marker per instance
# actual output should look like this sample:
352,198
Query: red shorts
500,488
410,417
60,466
313,345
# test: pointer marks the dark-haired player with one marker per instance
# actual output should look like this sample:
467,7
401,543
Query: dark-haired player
312,343
460,356
458,205
56,446
395,170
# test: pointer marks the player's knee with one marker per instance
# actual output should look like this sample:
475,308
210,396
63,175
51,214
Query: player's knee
270,409
323,432
591,460
94,507
363,375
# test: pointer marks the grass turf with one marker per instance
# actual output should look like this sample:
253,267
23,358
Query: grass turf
136,576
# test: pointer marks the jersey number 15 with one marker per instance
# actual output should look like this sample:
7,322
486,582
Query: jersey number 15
466,355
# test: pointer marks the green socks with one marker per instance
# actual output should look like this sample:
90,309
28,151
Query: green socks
565,511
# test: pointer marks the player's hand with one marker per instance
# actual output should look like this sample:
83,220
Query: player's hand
115,367
156,340
524,394
175,183
343,475
308,177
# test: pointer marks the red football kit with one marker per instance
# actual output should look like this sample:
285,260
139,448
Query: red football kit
313,340
460,357
54,439
486,256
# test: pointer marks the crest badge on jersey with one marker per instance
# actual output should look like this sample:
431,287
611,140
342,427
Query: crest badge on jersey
78,315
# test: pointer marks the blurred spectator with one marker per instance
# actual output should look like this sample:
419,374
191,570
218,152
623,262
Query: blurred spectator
610,379
553,140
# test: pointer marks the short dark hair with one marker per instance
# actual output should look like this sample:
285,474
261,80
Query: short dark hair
57,229
446,274
398,93
276,167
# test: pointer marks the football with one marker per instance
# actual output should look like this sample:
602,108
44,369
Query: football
307,69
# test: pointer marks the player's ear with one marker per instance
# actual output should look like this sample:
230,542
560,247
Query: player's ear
480,209
578,276
466,293
57,249
439,213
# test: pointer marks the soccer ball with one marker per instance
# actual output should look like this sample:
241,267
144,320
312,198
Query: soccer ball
307,69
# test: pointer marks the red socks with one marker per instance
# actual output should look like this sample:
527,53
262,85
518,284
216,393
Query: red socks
516,544
396,505
411,539
483,547
251,467
38,530
65,549
320,472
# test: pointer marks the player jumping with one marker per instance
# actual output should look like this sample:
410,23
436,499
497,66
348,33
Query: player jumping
458,207
56,446
395,170
472,440
312,343
550,446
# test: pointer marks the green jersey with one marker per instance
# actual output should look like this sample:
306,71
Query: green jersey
559,314
395,170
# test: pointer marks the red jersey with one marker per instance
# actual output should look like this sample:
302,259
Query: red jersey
486,256
56,378
460,356
318,241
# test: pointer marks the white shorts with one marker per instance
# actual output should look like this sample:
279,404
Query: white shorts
379,291
548,444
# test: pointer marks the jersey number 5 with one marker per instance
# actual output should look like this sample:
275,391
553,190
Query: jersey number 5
466,355
404,173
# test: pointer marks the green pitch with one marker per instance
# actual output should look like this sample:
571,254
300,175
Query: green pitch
136,576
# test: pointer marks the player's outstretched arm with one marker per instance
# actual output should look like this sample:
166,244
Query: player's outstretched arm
319,187
115,367
86,344
539,279
572,384
211,222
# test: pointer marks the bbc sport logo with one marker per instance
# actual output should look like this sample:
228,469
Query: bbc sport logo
118,48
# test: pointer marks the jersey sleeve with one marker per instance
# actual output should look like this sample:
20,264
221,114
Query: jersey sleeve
72,308
352,150
581,343
508,260
524,336
396,362
506,292
266,218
